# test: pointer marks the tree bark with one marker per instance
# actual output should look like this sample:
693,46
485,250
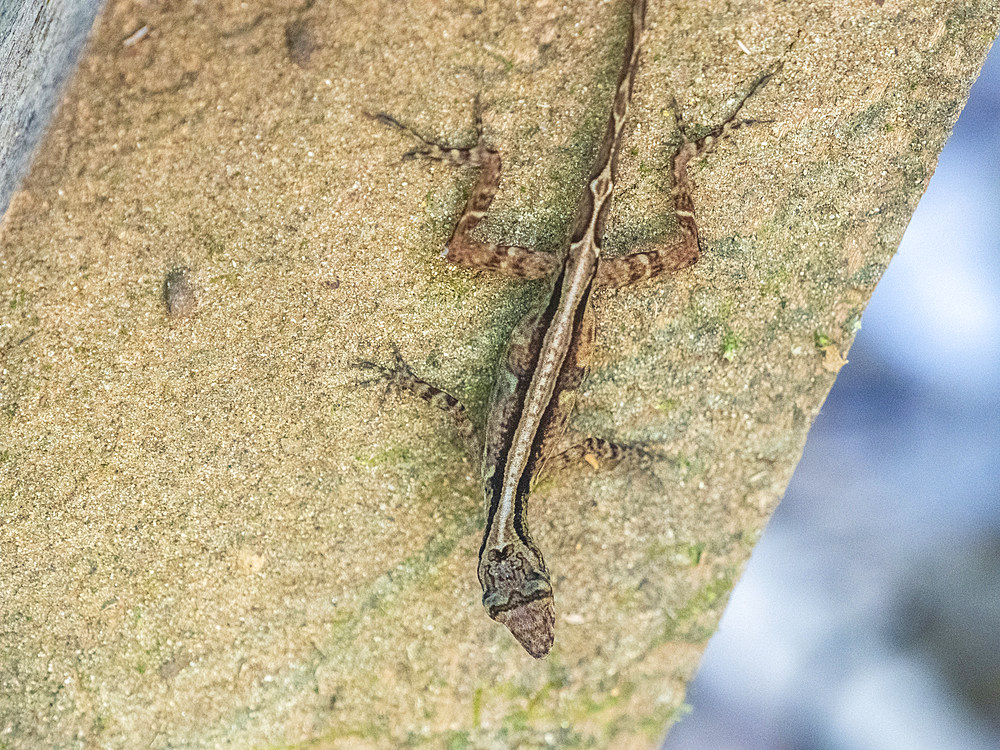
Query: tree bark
214,533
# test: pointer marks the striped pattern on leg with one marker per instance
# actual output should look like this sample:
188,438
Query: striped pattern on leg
463,249
597,452
400,376
683,252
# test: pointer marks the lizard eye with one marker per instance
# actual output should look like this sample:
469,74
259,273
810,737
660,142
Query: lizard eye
494,600
535,585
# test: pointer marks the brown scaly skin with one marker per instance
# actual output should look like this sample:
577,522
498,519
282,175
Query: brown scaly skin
548,352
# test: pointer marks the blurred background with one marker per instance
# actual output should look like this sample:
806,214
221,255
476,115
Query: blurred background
869,615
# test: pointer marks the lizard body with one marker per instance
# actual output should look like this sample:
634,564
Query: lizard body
547,355
516,584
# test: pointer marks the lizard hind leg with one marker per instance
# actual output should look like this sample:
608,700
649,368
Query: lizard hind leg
695,148
685,250
462,248
473,156
691,150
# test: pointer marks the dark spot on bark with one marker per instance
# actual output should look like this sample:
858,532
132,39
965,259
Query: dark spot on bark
171,668
178,294
300,42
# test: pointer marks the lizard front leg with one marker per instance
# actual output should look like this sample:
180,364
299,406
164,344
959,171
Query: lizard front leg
463,249
684,250
597,452
400,376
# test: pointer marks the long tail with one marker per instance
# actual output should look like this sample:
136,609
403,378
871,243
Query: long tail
597,200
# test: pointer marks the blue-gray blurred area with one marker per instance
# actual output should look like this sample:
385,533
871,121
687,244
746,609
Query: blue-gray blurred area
869,615
40,42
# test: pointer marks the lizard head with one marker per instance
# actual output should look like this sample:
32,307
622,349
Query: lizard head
517,593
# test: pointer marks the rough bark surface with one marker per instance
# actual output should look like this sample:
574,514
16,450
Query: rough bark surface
212,535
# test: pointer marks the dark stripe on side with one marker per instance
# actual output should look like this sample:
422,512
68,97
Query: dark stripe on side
495,486
524,485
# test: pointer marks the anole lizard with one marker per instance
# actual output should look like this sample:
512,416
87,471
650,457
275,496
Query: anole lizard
549,349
